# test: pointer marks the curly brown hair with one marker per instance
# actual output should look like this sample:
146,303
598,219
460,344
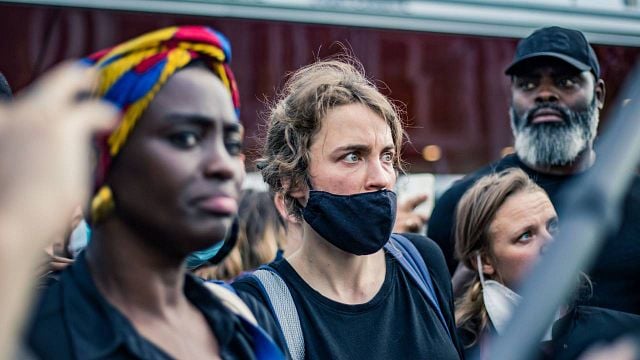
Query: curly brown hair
296,118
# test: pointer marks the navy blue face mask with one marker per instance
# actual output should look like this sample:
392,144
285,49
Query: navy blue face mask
359,224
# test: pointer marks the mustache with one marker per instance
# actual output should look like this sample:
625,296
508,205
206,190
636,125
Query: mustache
564,112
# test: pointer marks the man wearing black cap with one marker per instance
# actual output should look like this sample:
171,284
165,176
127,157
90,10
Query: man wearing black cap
556,96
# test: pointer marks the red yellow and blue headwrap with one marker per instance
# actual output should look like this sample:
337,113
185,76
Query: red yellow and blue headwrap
132,73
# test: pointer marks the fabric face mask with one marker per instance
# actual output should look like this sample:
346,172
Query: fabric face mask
499,300
79,239
216,253
359,224
200,257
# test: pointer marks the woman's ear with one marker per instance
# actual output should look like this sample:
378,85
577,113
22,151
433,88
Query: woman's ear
487,265
300,192
281,206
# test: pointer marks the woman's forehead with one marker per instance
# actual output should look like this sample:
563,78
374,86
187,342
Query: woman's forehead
195,91
353,124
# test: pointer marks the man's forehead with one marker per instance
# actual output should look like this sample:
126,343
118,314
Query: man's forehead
546,66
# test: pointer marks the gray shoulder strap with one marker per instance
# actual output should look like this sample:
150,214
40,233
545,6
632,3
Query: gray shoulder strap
285,310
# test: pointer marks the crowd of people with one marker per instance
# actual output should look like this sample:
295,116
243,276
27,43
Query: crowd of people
125,232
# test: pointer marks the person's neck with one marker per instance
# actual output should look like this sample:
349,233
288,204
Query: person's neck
582,162
336,274
133,275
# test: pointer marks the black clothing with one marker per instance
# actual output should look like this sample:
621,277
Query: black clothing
577,331
397,323
74,321
616,272
585,326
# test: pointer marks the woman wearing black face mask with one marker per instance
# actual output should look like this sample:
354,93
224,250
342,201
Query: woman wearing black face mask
333,152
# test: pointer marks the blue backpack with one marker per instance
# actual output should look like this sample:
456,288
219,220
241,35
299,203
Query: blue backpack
282,305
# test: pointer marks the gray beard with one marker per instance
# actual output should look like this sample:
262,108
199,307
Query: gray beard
554,144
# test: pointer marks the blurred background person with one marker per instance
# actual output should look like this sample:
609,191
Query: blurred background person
503,224
261,234
65,247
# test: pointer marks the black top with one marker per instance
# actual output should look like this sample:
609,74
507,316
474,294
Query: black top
585,326
398,323
571,335
616,273
74,321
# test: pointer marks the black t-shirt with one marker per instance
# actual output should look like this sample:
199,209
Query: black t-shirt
74,321
616,272
397,323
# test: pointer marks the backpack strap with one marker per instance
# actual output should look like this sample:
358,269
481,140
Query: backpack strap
263,347
412,262
227,295
284,309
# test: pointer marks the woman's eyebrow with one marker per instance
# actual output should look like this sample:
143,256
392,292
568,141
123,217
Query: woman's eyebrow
353,147
189,118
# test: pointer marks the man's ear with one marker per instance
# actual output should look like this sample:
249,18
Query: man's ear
600,93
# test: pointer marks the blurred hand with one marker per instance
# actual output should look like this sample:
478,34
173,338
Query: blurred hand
44,173
407,220
45,150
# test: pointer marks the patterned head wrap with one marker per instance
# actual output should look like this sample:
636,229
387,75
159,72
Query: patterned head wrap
132,73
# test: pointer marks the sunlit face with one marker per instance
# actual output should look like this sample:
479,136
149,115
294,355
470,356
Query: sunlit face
353,152
178,177
521,228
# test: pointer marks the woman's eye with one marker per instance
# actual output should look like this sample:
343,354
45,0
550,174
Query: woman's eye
525,236
185,139
387,157
552,227
351,158
234,147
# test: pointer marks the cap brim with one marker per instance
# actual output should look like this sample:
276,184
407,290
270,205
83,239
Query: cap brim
515,66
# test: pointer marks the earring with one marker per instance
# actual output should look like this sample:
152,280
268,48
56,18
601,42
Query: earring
102,204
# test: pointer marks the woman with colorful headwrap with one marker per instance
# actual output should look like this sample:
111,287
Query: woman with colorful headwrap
167,183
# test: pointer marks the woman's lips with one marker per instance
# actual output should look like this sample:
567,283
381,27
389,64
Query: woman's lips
220,204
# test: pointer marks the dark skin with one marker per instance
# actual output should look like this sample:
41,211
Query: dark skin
547,79
176,184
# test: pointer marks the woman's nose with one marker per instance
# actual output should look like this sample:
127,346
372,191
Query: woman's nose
378,176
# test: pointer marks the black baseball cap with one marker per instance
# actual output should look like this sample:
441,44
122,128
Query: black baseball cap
5,89
565,44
